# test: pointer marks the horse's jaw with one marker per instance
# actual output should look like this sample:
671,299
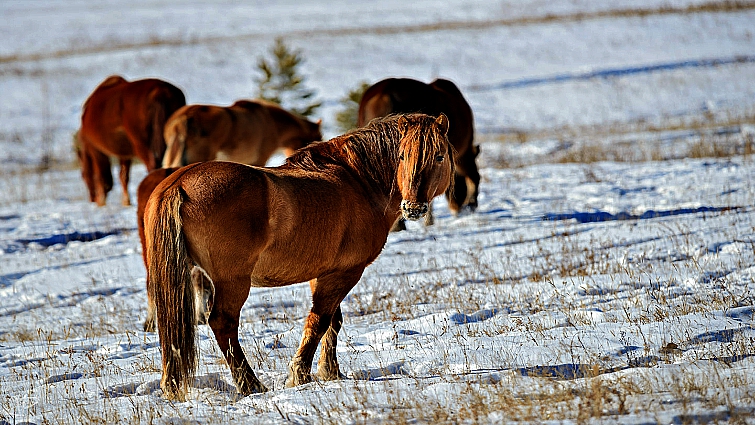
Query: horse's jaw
413,210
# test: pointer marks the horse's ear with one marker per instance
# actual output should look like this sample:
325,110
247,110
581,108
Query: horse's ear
403,124
319,122
442,122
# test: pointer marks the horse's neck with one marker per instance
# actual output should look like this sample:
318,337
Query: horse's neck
289,128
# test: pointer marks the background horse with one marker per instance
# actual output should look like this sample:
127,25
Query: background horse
123,119
404,95
322,217
248,132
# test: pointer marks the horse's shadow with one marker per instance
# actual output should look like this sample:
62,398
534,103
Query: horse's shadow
214,381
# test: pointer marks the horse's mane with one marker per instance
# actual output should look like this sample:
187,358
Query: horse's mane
371,152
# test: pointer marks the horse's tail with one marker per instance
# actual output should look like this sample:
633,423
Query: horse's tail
172,290
166,100
176,131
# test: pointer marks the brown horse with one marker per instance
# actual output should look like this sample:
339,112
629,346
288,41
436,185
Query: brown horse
248,132
405,95
123,119
322,217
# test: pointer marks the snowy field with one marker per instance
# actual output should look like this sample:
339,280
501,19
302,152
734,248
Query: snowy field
608,275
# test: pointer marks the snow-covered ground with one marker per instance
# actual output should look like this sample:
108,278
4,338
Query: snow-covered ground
603,291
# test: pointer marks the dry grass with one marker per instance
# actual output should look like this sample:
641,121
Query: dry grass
724,135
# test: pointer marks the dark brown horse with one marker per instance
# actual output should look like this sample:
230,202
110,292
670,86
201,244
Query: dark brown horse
125,120
404,95
248,132
322,217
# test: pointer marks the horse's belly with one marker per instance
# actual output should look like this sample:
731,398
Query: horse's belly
266,282
281,269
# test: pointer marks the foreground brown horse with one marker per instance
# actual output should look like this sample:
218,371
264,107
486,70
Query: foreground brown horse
248,132
321,217
404,95
125,120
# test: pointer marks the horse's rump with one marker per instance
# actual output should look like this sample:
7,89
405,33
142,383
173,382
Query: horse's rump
248,132
405,95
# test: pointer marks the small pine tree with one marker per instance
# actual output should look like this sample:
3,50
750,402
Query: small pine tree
346,118
281,83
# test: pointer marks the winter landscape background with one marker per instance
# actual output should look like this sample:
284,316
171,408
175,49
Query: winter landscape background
607,276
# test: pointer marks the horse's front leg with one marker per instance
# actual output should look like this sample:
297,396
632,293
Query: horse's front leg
327,293
125,173
301,365
327,366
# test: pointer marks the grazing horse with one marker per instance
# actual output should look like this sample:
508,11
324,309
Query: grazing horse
405,95
125,120
322,217
248,132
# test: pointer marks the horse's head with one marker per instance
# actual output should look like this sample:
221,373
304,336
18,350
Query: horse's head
305,133
313,133
425,163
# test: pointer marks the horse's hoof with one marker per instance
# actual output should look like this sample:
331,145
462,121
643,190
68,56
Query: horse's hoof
252,388
171,392
295,381
330,376
149,326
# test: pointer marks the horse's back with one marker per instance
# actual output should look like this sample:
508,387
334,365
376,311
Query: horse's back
225,207
194,133
406,95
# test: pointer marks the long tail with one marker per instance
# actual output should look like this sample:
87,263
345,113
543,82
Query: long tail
171,289
175,139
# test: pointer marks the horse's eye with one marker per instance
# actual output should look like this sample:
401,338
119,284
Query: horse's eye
401,157
439,158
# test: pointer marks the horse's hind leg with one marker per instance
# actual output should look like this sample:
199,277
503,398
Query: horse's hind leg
327,366
125,173
150,323
102,177
205,292
224,322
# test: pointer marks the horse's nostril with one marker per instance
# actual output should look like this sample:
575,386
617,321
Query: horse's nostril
413,210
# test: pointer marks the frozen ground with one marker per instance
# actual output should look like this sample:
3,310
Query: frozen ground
583,292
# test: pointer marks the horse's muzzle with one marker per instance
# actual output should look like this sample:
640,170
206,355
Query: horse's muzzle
413,210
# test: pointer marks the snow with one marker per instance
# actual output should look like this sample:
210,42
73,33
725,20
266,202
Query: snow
602,292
